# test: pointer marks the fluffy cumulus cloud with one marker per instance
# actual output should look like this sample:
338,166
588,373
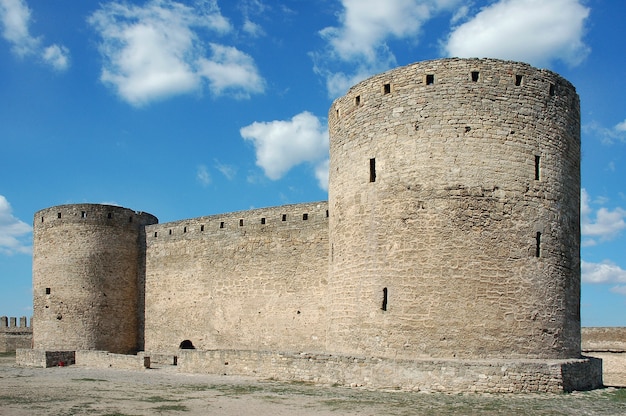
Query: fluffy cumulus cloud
15,17
14,234
365,28
533,31
605,272
155,51
283,144
602,225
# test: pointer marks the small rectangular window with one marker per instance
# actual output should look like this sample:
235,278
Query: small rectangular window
47,291
59,215
373,170
222,224
552,90
263,220
202,228
109,215
384,305
475,75
430,79
170,232
305,216
83,214
518,80
241,222
184,229
155,234
284,217
326,213
387,89
537,167
538,244
357,100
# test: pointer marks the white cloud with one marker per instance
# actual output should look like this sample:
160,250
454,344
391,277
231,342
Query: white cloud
14,233
57,56
203,176
154,51
605,272
231,69
621,127
229,171
620,290
283,144
321,173
361,38
606,225
15,17
533,31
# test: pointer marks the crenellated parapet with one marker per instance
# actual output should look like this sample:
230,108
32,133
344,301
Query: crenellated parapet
15,333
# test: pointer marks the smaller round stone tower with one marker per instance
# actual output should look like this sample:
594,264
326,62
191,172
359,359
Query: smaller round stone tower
88,277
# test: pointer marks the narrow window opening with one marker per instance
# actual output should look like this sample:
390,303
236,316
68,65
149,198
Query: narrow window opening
475,75
109,215
373,170
305,216
430,79
384,305
337,111
155,234
222,224
552,90
284,217
241,222
537,167
263,220
83,214
170,232
538,244
518,80
387,89
184,229
41,219
130,219
326,213
47,291
357,100
202,228
59,215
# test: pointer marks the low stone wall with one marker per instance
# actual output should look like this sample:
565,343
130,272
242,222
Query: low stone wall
103,359
41,358
608,344
14,335
426,375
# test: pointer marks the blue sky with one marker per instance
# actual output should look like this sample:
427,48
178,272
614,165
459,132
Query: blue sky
191,108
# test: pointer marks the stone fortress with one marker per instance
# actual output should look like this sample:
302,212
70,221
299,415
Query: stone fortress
447,256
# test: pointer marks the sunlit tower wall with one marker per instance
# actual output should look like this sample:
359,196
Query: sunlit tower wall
454,213
88,278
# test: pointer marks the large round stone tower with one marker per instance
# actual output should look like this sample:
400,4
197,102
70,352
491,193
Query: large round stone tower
454,199
88,271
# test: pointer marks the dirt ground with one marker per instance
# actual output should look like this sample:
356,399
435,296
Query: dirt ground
78,390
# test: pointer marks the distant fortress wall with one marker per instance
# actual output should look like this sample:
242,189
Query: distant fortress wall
15,333
245,280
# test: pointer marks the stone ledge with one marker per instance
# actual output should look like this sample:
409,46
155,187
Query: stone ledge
501,376
40,358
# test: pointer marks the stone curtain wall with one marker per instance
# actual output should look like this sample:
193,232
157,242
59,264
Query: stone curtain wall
87,259
15,334
454,193
608,344
245,280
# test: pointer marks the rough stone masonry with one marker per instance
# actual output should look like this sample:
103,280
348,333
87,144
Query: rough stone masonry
447,256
